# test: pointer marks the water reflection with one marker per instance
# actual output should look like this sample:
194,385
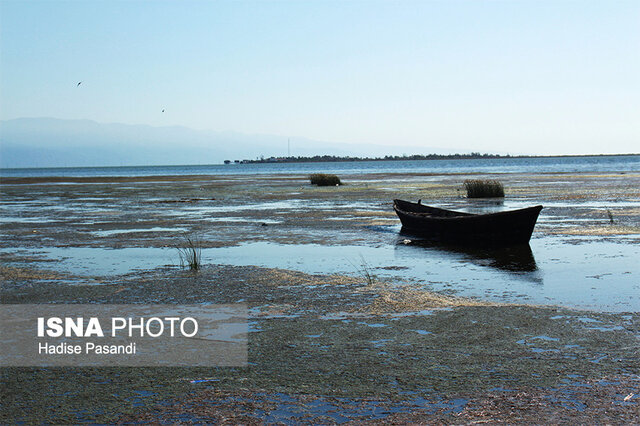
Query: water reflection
517,259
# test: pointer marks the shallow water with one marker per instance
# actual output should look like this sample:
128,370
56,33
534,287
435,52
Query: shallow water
583,273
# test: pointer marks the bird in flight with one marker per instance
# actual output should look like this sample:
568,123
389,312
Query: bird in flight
79,83
162,109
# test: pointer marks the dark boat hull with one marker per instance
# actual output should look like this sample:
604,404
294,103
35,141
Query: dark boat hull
502,228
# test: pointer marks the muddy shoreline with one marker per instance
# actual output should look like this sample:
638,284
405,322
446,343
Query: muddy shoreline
434,355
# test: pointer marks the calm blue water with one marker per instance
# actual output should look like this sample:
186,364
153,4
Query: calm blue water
621,163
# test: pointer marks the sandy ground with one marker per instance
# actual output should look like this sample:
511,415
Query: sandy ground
325,348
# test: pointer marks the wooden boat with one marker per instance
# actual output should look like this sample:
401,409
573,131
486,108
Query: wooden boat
502,228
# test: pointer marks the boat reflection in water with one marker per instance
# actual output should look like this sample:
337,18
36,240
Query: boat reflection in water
517,259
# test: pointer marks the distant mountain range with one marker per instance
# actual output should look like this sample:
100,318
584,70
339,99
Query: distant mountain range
51,142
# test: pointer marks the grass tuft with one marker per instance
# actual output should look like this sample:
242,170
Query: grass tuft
479,188
365,270
190,252
322,179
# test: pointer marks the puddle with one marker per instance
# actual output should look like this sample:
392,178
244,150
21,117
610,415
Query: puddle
598,359
541,351
128,231
288,205
374,325
380,343
90,261
588,320
547,338
17,219
611,328
275,205
243,219
558,273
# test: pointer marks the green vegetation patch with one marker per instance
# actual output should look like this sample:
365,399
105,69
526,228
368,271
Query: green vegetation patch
323,179
481,188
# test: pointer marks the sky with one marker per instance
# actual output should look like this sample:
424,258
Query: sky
533,77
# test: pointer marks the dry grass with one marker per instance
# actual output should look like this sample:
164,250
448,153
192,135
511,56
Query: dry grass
412,299
610,229
283,277
11,273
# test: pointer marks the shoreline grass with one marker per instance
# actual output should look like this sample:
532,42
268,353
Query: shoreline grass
365,271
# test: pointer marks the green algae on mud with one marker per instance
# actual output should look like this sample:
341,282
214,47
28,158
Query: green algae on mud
571,403
467,349
471,350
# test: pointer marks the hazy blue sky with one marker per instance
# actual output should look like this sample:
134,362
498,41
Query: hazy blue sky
510,76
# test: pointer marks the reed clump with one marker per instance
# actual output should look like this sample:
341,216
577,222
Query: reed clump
365,271
483,188
610,215
190,252
323,179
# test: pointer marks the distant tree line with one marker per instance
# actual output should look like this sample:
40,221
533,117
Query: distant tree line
334,158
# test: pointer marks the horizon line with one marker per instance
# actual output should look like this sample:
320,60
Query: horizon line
352,159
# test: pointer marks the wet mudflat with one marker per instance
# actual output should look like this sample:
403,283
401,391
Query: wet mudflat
437,335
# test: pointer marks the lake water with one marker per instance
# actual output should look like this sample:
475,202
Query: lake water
618,163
